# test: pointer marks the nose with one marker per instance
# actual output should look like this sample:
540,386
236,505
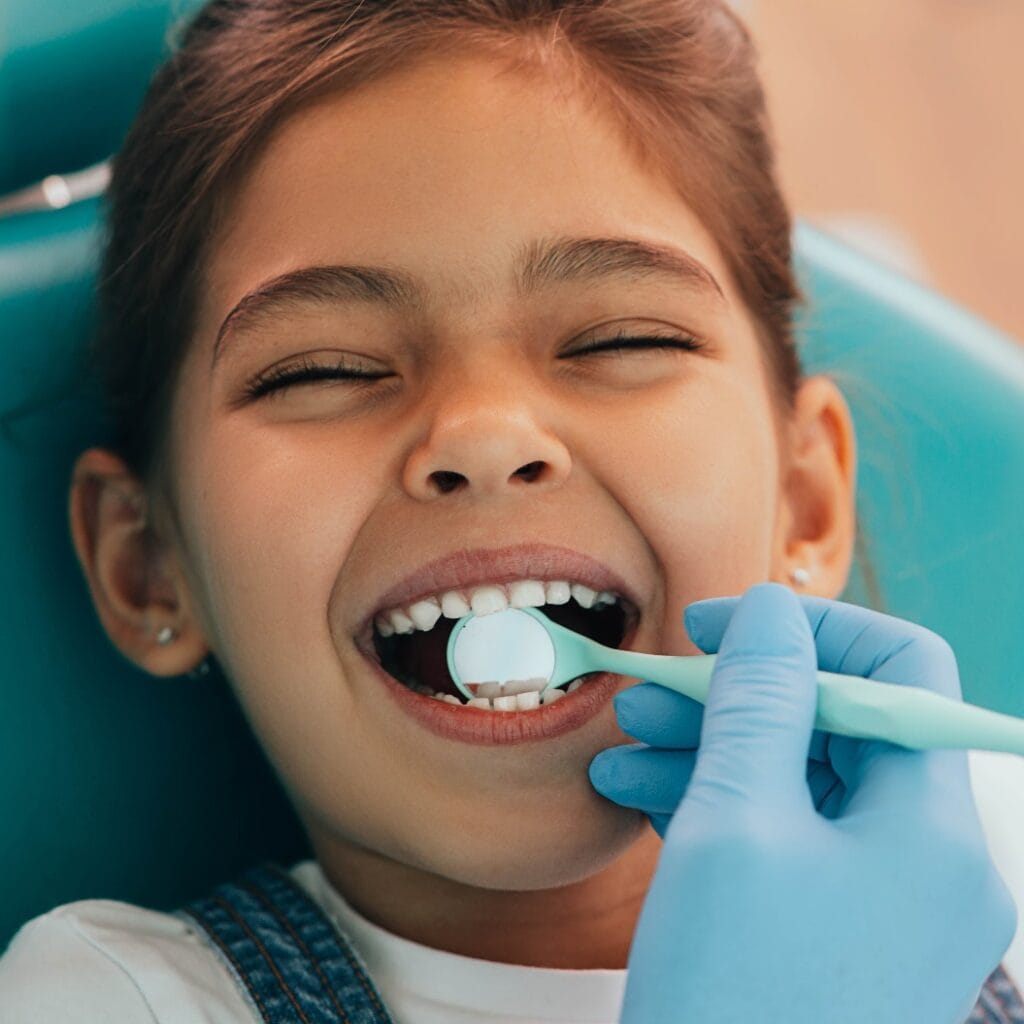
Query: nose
486,440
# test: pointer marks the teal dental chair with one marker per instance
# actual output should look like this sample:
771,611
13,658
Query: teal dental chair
119,785
72,73
114,783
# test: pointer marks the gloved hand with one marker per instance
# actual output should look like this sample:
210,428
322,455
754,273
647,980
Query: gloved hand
886,909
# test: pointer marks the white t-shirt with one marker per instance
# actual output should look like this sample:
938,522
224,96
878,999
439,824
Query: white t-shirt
100,961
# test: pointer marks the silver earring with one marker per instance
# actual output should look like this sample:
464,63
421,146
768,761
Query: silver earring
800,576
166,635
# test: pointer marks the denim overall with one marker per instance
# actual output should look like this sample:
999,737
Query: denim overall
293,967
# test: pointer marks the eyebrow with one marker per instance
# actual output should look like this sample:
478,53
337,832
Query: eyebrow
538,265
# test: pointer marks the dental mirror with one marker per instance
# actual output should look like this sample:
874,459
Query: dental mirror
499,647
523,643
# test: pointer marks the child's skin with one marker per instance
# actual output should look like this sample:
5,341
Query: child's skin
286,517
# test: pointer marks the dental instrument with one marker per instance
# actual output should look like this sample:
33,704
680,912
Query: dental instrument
521,643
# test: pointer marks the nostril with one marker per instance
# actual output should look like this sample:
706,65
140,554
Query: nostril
446,480
530,471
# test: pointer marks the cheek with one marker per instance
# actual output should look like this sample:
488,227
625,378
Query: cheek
697,477
272,520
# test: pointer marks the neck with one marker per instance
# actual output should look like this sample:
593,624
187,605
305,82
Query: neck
588,924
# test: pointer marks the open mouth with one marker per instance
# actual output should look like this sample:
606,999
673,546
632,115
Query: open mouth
419,659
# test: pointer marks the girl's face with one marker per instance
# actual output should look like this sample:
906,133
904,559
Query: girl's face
298,510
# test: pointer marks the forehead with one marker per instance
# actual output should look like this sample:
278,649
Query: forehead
451,171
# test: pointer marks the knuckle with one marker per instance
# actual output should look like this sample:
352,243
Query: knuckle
922,658
934,646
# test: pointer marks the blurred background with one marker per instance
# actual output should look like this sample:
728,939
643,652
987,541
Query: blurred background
898,122
900,127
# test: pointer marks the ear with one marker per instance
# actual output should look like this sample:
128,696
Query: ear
135,580
816,525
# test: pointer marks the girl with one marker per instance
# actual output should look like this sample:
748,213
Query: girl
414,305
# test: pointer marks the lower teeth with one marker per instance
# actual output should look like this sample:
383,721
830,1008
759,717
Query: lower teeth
509,702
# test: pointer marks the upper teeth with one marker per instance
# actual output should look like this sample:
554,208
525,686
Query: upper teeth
483,600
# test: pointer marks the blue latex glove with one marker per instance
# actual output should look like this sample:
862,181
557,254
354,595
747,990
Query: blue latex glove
885,906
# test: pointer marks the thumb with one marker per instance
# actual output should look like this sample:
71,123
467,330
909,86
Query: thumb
761,705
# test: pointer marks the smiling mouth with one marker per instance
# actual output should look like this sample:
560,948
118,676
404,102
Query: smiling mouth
419,660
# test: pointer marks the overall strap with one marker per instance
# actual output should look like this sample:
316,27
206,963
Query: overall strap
291,963
999,1001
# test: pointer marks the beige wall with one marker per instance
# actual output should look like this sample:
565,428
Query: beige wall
910,112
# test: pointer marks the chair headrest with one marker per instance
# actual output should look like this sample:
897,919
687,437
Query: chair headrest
71,78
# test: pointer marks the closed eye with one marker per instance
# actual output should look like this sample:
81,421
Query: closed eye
305,371
640,341
308,370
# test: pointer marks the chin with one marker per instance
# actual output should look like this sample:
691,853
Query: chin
547,852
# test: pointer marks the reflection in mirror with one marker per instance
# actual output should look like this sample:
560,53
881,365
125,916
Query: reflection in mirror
503,646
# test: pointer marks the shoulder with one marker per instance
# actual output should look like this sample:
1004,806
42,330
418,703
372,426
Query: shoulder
101,960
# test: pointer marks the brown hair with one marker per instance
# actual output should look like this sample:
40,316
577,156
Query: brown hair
678,75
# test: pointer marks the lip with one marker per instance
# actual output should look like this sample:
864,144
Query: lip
477,566
505,728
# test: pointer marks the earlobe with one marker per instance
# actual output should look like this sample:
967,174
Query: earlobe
135,583
817,521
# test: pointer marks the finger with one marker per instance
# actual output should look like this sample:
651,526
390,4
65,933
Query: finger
864,642
819,746
848,638
877,775
659,716
705,623
827,789
861,641
852,640
648,779
881,776
760,710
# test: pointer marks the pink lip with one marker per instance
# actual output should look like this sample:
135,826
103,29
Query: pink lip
502,565
491,728
487,728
